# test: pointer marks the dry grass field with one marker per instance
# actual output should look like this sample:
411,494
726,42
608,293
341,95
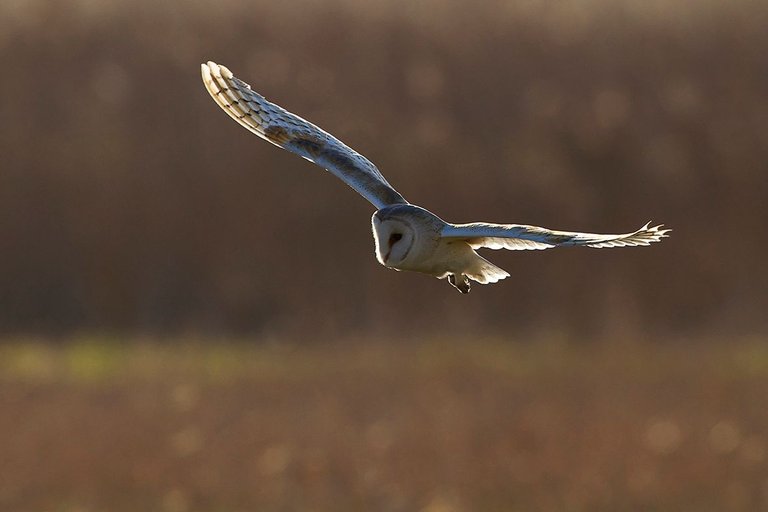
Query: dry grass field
391,425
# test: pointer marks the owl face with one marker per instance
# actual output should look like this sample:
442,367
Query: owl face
406,237
394,238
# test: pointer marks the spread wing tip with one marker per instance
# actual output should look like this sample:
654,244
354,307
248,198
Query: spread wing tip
655,233
644,236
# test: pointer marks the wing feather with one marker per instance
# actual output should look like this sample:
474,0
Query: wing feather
289,131
518,237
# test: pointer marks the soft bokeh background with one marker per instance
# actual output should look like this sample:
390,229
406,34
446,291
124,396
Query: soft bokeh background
194,320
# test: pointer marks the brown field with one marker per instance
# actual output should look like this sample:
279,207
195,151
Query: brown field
428,425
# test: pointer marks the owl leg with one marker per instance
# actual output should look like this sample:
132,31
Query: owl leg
462,285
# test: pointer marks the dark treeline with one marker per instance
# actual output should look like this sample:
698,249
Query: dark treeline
130,202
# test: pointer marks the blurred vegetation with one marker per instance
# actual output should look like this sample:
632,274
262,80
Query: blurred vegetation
436,426
129,202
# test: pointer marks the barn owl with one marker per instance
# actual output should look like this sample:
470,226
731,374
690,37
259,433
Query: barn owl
406,236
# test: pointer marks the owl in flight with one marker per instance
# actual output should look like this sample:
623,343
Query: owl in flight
407,237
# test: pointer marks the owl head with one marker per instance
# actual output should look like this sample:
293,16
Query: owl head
405,236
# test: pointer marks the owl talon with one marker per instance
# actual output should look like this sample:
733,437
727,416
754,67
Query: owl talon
462,286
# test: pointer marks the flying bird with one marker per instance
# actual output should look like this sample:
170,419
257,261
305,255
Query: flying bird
406,236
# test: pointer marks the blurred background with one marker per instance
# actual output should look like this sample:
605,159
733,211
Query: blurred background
193,319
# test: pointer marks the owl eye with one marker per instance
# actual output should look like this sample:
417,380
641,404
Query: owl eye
395,237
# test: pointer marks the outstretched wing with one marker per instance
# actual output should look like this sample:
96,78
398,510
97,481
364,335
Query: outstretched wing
518,237
289,131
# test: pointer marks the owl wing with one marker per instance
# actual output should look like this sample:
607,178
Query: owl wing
517,237
278,126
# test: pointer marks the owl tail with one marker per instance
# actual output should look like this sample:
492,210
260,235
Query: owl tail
485,272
